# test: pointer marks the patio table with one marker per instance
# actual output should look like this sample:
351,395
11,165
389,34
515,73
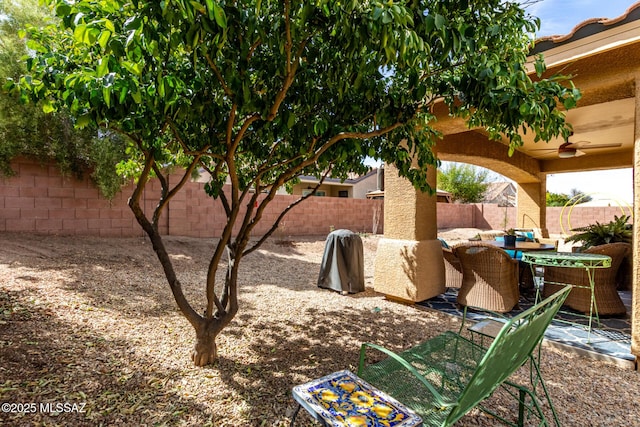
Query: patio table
522,246
588,262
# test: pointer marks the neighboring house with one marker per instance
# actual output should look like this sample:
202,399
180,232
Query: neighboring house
501,193
355,187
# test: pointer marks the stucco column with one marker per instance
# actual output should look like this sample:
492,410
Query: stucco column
409,264
531,206
635,307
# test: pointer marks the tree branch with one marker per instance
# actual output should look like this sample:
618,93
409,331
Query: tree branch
291,69
223,197
216,71
223,244
243,130
158,246
274,227
185,148
253,48
287,29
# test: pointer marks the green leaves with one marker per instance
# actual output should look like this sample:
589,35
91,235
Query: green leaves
63,9
208,72
618,230
320,127
47,106
134,68
216,12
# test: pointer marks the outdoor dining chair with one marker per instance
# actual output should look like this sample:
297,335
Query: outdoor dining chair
489,277
452,267
607,299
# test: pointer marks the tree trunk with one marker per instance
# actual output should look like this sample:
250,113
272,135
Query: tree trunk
205,351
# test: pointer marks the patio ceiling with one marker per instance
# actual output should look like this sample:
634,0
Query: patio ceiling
603,58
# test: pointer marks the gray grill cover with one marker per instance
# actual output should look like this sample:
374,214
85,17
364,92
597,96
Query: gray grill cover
342,266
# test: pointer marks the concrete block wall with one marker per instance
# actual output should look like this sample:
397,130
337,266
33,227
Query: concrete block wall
559,220
39,199
454,215
203,217
562,220
494,217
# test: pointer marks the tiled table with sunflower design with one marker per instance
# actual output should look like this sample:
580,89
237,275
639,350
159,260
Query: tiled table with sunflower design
342,399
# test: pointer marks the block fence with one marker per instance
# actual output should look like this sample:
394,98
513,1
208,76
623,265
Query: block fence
39,199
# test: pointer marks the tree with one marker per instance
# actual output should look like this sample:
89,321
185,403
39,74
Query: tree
256,93
561,199
466,183
577,196
557,199
26,130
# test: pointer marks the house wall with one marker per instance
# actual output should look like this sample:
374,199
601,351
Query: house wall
357,190
331,190
365,185
39,199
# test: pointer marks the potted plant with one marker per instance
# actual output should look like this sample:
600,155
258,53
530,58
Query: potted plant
618,230
510,237
596,234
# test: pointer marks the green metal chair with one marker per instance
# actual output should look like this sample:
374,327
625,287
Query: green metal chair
447,376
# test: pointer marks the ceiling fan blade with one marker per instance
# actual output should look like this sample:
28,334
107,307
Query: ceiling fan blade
591,147
576,144
579,153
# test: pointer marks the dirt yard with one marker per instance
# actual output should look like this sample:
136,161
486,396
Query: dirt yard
90,335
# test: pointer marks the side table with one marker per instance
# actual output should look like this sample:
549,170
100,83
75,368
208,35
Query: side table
588,262
342,399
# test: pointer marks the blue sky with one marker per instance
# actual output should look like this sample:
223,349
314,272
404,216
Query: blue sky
560,17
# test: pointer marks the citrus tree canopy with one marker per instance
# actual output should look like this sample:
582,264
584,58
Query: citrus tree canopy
257,92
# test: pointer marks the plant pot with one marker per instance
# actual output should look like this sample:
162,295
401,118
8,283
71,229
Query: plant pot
509,240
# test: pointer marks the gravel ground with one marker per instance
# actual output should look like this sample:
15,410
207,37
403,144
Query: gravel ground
90,324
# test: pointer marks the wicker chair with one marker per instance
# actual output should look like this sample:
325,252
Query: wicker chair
490,277
490,235
605,287
452,269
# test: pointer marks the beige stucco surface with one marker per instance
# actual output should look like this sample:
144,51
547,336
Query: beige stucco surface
409,263
409,270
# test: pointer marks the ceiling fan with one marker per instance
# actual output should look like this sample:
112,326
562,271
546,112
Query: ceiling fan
568,149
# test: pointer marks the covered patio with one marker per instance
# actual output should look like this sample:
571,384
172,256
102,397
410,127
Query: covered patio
609,341
603,58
